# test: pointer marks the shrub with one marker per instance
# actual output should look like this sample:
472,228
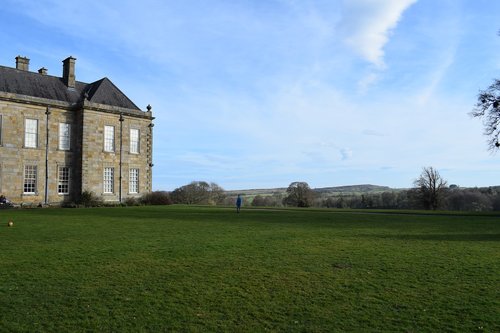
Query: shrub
131,201
156,198
89,199
69,204
258,200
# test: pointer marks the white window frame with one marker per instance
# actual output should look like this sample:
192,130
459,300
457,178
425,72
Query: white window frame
109,138
31,133
108,180
133,184
134,141
30,179
63,179
64,136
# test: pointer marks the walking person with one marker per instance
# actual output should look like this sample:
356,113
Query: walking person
238,203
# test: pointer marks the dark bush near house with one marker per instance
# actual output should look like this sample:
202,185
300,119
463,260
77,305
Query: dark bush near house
156,198
131,202
69,204
89,199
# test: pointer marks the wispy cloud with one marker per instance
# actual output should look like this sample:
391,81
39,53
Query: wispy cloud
367,25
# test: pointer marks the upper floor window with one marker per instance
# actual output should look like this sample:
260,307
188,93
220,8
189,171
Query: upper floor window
134,141
63,180
31,133
109,138
30,175
64,136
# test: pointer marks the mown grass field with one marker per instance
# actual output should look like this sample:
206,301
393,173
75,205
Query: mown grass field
200,269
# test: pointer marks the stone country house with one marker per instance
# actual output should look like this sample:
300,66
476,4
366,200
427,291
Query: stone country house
60,137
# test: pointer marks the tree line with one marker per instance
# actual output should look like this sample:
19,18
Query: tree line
453,198
430,192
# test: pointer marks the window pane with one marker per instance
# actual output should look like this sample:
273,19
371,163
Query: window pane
30,179
31,133
64,136
63,181
108,180
134,181
134,141
109,138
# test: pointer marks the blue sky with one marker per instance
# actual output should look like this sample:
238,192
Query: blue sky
258,94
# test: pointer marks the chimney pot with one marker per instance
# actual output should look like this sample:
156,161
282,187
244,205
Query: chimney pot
43,71
22,63
69,72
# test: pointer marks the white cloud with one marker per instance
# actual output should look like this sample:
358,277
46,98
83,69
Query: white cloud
367,25
346,153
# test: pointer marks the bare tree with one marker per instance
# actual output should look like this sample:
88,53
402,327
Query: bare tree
488,108
299,194
430,188
217,194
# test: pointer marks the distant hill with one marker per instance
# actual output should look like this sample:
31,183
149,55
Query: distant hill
365,188
268,191
350,189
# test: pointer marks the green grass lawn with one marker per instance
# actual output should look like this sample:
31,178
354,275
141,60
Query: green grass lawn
201,269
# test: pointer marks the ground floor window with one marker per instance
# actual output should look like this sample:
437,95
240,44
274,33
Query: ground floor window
108,180
63,180
134,181
30,175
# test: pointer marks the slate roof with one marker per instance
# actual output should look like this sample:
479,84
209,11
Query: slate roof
33,84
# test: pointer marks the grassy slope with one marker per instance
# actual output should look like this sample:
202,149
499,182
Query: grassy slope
209,269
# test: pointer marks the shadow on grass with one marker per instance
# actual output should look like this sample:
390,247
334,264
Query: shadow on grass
442,237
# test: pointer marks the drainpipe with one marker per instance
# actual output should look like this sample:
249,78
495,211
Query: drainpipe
150,151
46,199
150,158
121,151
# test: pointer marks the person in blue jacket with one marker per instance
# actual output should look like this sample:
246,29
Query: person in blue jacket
238,203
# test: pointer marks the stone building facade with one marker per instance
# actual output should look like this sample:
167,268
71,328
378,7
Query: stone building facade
60,137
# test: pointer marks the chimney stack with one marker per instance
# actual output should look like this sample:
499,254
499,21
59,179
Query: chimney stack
42,71
69,72
22,63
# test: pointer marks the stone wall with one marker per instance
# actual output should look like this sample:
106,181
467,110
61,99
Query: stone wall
95,158
86,157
